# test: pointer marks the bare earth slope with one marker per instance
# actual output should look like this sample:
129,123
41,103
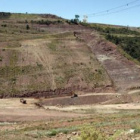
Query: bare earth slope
124,73
54,57
37,63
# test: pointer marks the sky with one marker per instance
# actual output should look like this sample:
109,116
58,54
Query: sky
69,8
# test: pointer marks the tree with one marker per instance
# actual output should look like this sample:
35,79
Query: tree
77,18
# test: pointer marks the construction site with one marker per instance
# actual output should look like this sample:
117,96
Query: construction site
58,78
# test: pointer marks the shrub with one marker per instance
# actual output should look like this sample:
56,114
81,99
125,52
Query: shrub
137,129
4,25
52,133
4,15
0,58
89,133
27,27
131,45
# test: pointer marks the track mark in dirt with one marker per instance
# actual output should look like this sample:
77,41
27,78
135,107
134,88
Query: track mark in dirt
36,47
11,110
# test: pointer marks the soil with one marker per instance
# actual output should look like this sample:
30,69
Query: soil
56,108
86,99
11,110
55,104
33,118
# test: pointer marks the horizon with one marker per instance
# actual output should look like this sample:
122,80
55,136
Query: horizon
68,10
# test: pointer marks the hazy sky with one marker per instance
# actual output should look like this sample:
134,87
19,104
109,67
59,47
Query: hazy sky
68,8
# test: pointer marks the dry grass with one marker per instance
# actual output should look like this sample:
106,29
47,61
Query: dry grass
51,62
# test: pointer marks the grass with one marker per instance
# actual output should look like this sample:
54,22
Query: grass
60,81
10,76
1,58
61,130
136,128
24,16
130,45
12,71
69,59
107,126
90,133
13,45
128,56
50,133
53,45
127,39
13,58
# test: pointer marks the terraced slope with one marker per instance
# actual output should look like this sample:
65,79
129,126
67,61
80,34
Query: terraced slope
48,63
45,55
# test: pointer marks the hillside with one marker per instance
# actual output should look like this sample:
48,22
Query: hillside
46,55
40,55
126,38
118,52
45,59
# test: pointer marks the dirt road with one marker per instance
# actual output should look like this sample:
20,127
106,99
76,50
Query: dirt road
11,110
98,108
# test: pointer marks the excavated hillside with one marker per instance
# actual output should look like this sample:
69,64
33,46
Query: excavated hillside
41,59
45,55
124,73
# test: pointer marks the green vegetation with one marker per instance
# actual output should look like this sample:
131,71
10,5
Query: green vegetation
1,58
4,15
96,127
60,81
130,45
105,29
4,25
53,45
47,22
109,30
75,21
89,133
127,40
11,71
54,132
